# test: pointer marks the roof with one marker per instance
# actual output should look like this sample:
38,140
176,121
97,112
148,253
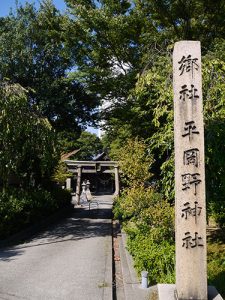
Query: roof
102,157
65,156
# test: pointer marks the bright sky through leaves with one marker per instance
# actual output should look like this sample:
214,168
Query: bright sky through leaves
7,4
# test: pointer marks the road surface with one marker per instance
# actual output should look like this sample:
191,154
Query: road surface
70,260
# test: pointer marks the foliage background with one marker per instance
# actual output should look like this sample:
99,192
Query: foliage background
147,217
56,69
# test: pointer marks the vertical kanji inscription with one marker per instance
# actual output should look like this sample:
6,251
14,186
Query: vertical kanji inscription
189,173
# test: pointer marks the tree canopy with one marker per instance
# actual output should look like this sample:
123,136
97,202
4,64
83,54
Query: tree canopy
117,53
33,54
27,140
108,61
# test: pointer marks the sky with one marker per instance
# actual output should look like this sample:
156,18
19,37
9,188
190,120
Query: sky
5,5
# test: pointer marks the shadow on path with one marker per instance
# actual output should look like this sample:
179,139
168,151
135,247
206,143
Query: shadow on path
81,224
7,254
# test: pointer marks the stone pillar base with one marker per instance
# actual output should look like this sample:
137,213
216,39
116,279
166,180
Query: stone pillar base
167,292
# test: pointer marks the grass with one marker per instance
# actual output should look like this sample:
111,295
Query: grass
103,285
216,259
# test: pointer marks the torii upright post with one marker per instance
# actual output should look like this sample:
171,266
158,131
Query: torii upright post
79,171
117,181
191,274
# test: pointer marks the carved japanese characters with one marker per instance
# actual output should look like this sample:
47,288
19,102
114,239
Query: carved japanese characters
189,173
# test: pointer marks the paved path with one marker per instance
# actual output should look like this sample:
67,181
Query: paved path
71,260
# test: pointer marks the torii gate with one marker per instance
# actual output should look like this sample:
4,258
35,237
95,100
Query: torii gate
82,167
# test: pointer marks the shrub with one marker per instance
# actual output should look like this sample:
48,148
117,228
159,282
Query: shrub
20,208
147,217
156,258
61,173
134,162
217,211
148,220
133,200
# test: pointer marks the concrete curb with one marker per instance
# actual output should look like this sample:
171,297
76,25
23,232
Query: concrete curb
132,285
108,290
33,229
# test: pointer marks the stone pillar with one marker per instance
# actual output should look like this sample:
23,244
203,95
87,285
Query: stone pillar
68,183
117,181
79,171
191,274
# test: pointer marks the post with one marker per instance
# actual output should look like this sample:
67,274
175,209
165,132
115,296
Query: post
191,274
78,185
68,183
144,279
117,183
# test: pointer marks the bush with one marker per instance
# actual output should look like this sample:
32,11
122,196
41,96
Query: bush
216,210
134,162
20,208
156,258
216,260
147,217
133,200
148,220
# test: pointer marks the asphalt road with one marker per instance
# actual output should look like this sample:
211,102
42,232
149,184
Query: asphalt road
70,260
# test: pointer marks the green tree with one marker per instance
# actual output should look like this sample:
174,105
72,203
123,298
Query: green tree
27,140
179,20
61,173
134,162
105,38
147,217
153,99
113,41
89,144
33,53
214,115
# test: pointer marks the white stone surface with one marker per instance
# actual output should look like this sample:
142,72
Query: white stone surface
191,275
167,292
68,183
